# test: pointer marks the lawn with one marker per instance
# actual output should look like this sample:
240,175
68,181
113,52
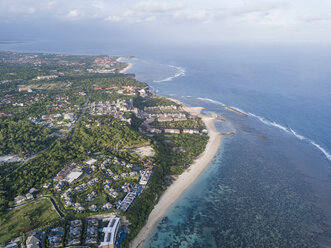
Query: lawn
25,219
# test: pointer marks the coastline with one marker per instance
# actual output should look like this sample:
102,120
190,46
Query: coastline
129,65
186,179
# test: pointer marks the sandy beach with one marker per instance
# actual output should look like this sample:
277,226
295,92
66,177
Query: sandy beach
126,68
184,180
129,65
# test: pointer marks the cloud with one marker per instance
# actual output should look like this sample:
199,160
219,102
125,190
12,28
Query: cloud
260,7
113,18
245,18
22,10
73,13
150,19
157,7
146,11
310,18
202,15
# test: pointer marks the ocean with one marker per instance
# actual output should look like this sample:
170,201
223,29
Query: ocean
270,184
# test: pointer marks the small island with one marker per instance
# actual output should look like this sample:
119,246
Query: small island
88,153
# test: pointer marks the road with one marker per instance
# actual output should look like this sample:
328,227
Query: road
80,116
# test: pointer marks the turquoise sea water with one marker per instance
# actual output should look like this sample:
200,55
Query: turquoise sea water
270,184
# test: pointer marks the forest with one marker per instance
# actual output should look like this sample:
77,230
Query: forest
23,136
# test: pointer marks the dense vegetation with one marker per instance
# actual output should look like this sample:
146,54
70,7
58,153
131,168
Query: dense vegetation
22,136
154,101
194,123
106,133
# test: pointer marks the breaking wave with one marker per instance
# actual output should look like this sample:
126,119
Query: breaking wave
328,155
300,137
210,100
294,133
274,124
270,123
180,72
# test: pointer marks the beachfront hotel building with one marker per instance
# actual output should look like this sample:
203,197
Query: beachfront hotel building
110,232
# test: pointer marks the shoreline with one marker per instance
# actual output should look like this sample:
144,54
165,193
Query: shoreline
126,68
184,180
129,65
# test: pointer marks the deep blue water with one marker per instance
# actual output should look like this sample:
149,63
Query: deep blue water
270,184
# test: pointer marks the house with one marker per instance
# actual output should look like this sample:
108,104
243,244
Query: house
69,116
93,208
154,130
172,131
91,196
32,242
145,175
19,199
91,161
142,93
107,206
116,177
33,190
76,223
133,174
24,89
45,77
164,119
29,196
191,131
124,174
178,149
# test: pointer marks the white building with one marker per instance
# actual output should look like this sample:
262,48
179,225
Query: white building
73,175
69,116
145,177
91,161
110,231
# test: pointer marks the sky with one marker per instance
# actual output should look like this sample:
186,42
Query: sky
168,21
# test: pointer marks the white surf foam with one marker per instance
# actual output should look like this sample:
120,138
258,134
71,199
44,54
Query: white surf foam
328,155
270,123
273,124
240,110
210,100
291,131
180,72
300,137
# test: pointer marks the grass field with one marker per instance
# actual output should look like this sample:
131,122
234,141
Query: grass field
25,219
